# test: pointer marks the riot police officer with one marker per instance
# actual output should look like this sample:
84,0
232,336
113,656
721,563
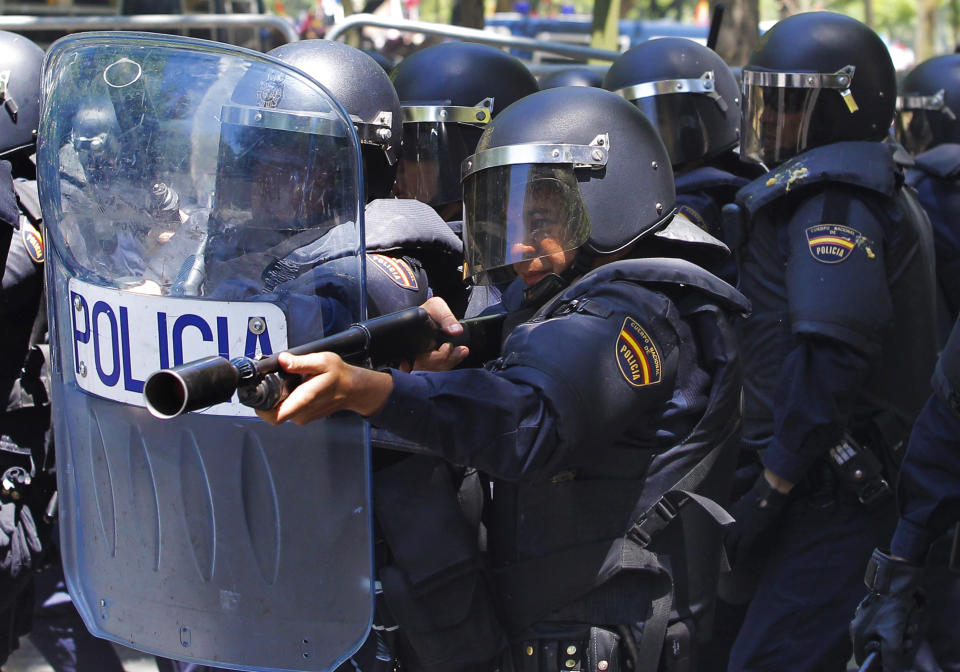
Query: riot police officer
927,126
691,96
578,424
928,496
836,258
403,238
448,93
26,457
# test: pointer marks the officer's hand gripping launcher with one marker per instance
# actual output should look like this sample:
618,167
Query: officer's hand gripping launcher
261,384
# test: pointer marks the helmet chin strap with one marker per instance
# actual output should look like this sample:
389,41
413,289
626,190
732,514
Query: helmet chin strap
552,284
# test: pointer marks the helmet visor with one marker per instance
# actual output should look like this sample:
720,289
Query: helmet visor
686,122
517,213
429,166
924,121
776,123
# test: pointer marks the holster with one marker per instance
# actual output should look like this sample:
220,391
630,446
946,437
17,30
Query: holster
595,650
435,585
858,470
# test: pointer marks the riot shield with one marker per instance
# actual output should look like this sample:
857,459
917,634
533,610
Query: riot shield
199,200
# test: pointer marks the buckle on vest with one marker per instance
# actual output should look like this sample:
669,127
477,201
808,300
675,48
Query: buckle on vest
652,522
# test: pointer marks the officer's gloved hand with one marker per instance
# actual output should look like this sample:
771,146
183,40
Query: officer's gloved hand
889,617
18,539
753,513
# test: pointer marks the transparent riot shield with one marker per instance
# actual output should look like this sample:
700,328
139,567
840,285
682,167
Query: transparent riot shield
199,200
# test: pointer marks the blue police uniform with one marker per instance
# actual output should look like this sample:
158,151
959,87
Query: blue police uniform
928,497
609,412
26,459
936,177
836,258
704,190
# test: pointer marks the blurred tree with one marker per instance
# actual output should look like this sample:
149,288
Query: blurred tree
924,46
467,13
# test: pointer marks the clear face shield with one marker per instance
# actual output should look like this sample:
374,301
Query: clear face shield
778,109
523,211
683,110
278,175
920,120
436,140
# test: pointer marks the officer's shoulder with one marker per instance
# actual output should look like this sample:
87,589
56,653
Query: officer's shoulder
942,161
869,167
664,274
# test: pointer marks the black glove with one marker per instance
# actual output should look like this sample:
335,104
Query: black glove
753,513
19,541
888,618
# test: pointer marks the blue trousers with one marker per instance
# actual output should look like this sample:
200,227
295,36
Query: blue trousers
809,582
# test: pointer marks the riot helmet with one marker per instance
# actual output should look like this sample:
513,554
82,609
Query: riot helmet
929,103
449,92
815,79
571,168
94,137
20,61
576,76
686,90
365,91
282,165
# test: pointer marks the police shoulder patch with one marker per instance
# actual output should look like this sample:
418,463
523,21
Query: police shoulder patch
32,241
832,243
397,270
694,216
637,355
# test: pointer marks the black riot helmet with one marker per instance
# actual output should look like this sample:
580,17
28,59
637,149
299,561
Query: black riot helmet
365,91
686,90
449,92
815,79
20,61
929,103
582,75
286,164
563,169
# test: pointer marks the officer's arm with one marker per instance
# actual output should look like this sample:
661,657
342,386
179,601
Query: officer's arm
929,483
839,307
928,490
564,387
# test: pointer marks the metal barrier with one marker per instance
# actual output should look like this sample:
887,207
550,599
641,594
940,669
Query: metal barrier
470,35
148,22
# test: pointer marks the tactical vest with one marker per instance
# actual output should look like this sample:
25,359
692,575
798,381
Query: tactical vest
896,390
602,550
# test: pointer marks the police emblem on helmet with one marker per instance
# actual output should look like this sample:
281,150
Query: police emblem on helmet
637,355
270,91
832,243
